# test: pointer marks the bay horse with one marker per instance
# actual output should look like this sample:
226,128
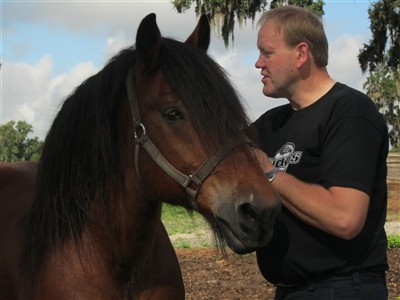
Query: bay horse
159,123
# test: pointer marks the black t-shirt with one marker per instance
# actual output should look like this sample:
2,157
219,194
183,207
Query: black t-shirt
340,140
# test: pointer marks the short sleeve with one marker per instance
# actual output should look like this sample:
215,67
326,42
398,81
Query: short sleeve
350,154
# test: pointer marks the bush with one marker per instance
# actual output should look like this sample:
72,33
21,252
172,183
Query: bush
393,241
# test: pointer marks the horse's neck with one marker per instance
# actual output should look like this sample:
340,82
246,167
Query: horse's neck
137,219
110,259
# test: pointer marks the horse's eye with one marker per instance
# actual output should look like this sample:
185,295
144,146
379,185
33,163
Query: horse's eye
172,114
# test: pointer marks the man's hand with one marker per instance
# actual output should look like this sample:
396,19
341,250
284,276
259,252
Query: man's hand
264,160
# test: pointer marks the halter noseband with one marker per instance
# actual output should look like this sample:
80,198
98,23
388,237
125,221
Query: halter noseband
191,183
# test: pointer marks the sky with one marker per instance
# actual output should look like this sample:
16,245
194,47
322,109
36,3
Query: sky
49,47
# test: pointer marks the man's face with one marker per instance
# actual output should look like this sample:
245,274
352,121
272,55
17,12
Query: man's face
276,61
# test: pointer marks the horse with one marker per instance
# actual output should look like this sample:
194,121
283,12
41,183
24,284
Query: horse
160,123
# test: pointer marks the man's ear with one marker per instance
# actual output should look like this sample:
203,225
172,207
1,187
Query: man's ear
303,54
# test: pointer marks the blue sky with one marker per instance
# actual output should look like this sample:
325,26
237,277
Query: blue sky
50,47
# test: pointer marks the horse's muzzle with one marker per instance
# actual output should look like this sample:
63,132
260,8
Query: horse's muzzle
247,225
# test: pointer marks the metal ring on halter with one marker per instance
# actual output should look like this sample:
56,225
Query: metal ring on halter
143,136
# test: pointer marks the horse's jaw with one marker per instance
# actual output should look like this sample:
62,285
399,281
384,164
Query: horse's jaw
244,221
244,232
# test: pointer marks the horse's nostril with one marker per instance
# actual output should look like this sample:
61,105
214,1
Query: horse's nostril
247,211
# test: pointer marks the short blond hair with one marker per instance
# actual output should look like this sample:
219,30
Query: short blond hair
297,25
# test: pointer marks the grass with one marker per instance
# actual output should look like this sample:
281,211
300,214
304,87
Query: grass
186,229
178,220
393,241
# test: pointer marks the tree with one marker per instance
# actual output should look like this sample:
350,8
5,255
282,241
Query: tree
381,87
381,56
384,47
15,145
222,13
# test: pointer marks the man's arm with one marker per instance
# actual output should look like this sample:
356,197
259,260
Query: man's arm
339,211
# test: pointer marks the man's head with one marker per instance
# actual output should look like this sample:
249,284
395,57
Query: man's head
292,45
297,25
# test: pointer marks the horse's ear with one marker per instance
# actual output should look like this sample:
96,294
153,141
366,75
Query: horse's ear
200,37
148,42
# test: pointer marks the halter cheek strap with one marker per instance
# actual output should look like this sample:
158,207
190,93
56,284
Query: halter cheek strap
191,183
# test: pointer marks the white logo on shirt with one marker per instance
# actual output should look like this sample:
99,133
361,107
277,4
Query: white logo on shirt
286,156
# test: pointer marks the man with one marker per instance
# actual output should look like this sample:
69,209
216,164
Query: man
327,153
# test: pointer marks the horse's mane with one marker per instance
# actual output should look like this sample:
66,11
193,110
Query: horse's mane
80,158
216,110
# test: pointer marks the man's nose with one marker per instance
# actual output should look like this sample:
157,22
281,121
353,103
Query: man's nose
259,63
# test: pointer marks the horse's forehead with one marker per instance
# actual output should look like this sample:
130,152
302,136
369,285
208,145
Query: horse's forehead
152,84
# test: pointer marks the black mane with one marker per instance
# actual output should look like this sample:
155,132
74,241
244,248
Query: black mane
216,110
80,156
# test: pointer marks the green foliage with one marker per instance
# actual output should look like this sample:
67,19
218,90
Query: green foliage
384,47
382,86
381,56
315,6
15,145
393,241
224,13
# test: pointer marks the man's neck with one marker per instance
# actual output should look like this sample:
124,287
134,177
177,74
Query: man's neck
311,90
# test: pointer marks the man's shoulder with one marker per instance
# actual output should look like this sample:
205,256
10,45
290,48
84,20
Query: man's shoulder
346,95
351,102
276,111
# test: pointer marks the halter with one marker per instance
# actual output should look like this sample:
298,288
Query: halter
192,182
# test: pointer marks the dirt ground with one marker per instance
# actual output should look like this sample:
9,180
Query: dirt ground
209,275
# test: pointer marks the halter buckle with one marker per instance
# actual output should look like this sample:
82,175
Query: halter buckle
140,133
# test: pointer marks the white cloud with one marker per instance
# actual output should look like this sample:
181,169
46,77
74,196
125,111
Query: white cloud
23,85
94,17
32,93
343,62
115,44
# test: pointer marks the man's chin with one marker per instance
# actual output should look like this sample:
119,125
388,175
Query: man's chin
271,94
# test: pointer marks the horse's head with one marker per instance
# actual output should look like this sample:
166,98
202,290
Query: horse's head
191,150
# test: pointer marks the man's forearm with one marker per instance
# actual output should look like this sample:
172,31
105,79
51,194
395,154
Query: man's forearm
339,211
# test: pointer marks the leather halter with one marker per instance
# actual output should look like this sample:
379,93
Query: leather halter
191,183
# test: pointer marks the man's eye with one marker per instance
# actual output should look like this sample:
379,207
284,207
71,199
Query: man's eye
172,114
267,53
